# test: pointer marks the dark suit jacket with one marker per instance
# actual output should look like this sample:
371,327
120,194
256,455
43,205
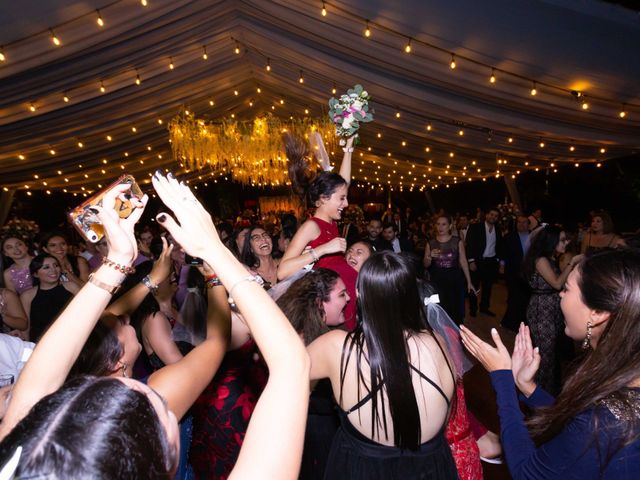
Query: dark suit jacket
379,243
512,254
477,241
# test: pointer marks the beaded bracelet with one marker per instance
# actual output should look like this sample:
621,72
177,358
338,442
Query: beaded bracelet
314,255
121,268
348,150
249,278
212,281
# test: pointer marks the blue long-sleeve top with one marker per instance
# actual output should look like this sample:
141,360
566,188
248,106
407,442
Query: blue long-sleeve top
575,453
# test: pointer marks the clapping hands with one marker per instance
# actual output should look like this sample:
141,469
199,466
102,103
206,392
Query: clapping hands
491,358
525,361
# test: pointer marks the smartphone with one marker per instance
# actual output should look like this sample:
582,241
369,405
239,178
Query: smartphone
189,260
87,222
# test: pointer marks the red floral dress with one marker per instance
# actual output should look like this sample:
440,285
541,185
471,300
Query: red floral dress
461,440
222,412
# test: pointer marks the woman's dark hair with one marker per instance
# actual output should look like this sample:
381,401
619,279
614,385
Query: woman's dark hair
543,244
302,303
46,238
288,225
101,352
609,281
607,222
91,428
7,262
149,305
194,307
247,257
390,307
36,264
231,242
308,185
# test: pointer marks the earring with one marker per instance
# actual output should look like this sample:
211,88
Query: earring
586,343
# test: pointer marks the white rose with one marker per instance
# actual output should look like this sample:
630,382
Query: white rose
364,94
346,123
357,105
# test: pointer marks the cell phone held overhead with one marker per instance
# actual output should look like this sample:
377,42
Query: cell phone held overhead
87,222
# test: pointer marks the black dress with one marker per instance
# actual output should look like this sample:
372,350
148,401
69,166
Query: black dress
353,456
45,307
448,278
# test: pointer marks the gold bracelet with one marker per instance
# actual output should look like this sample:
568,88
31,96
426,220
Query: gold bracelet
121,268
110,289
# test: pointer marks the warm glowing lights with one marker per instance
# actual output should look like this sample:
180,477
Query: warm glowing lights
52,151
268,67
65,99
534,90
204,53
80,144
367,30
281,101
510,140
102,89
56,41
622,114
324,10
301,79
21,157
134,129
32,107
171,65
603,150
259,90
236,50
492,78
407,47
333,89
211,103
461,132
138,81
109,138
143,3
572,148
585,105
99,20
429,127
598,165
160,122
236,93
541,144
397,114
452,64
3,57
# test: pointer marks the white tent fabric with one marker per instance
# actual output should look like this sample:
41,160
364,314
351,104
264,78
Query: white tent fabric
453,124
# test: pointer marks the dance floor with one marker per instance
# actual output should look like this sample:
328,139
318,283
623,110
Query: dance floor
478,390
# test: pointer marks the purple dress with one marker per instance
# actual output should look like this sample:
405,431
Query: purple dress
21,278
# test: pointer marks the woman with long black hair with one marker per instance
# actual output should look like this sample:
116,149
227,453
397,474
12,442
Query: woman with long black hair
392,380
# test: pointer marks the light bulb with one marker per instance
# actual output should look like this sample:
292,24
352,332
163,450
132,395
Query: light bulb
102,89
237,49
138,81
268,67
301,79
171,65
333,90
534,90
452,65
602,150
259,90
622,113
324,10
367,31
143,3
56,41
407,48
99,20
510,140
32,107
492,78
66,99
585,105
3,57
397,114
572,148
211,102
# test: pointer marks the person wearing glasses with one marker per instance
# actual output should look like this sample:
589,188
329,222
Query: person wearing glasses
257,254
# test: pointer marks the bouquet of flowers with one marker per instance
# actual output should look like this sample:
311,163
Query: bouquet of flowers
349,111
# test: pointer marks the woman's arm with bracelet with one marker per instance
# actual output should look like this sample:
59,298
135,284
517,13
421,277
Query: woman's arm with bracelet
58,349
345,166
281,411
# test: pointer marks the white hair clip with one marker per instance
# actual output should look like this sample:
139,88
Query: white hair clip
9,469
435,298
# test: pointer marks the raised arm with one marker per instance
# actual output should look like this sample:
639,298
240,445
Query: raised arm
58,349
556,281
345,166
296,257
281,411
182,382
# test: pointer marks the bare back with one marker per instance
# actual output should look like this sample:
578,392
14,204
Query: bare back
426,358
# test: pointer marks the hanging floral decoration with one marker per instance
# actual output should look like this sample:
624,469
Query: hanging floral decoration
252,152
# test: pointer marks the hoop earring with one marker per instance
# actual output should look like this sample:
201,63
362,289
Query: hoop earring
586,343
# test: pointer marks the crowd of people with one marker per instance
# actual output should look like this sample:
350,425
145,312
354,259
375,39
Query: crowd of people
325,348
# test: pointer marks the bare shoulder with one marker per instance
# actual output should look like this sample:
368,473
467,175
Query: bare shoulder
71,287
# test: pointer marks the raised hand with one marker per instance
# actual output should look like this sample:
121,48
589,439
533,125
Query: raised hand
525,361
491,358
162,266
195,231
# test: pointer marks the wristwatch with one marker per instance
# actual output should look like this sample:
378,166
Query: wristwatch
146,281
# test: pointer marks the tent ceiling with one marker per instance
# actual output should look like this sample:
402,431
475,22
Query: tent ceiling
589,47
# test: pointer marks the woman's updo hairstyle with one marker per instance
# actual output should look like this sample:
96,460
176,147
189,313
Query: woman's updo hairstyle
305,182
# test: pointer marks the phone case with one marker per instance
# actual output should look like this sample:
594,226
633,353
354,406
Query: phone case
87,222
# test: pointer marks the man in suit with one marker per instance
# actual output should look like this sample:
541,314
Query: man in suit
374,230
398,244
515,246
484,243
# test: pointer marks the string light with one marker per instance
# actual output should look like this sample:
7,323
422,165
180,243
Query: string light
622,113
32,107
65,99
204,53
397,114
3,57
324,10
492,78
572,148
211,103
367,31
407,48
56,41
80,145
534,90
603,150
258,89
429,127
109,138
542,145
237,49
102,89
585,104
143,3
138,81
333,90
268,67
99,20
510,140
171,65
301,79
21,157
452,65
461,132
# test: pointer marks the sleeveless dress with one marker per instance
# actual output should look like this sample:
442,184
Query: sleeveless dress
221,414
593,249
354,456
45,307
337,263
547,325
447,277
21,278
